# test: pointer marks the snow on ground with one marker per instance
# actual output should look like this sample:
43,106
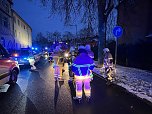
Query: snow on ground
136,81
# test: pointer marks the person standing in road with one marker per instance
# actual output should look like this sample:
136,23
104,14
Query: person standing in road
82,67
57,68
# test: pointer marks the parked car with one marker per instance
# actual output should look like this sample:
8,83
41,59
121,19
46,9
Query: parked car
9,69
22,56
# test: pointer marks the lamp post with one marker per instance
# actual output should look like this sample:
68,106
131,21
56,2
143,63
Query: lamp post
76,32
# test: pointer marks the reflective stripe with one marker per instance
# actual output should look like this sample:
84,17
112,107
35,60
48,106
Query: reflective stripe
85,65
79,66
87,92
82,77
78,94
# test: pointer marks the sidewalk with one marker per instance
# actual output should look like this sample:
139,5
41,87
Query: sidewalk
136,81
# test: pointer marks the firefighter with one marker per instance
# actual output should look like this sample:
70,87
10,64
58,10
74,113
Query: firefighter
82,67
57,67
88,49
108,62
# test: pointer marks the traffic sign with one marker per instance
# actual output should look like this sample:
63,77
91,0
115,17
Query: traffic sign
118,31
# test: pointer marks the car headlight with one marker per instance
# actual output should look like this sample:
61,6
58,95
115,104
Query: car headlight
66,54
15,54
25,58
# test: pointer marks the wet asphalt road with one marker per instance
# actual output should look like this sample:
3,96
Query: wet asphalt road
38,93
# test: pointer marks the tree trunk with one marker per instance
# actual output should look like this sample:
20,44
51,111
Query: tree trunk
101,31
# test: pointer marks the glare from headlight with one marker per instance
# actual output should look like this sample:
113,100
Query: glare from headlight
25,58
15,55
66,54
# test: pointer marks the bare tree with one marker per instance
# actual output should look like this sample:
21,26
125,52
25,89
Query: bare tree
40,40
68,35
57,36
85,32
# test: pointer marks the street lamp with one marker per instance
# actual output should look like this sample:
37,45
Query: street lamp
76,32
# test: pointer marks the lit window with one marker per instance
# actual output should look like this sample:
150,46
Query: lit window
18,22
19,35
21,24
15,33
14,19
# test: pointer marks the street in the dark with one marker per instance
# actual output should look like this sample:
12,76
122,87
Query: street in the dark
110,39
38,93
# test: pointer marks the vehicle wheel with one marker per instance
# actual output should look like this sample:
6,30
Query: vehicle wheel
13,77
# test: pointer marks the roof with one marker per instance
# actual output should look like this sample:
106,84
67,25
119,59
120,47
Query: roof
21,18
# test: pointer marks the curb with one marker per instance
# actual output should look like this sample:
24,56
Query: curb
125,90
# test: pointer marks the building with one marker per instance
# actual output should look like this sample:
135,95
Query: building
22,32
15,33
6,25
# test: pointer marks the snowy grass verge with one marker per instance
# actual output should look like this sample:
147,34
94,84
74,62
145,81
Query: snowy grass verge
135,81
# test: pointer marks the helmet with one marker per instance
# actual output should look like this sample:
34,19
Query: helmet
81,47
88,47
106,50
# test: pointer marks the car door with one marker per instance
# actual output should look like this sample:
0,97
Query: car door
4,66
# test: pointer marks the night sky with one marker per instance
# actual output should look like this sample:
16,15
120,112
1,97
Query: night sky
37,17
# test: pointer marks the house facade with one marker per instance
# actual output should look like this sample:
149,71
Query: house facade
6,25
15,33
22,32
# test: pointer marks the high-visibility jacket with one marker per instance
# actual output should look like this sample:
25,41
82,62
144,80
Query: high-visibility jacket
82,65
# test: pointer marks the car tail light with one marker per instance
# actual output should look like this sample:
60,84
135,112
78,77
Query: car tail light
15,55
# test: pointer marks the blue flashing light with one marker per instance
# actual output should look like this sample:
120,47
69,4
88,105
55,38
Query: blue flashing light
36,48
32,48
25,58
46,48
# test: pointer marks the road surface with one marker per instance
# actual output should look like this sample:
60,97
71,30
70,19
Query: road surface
38,93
